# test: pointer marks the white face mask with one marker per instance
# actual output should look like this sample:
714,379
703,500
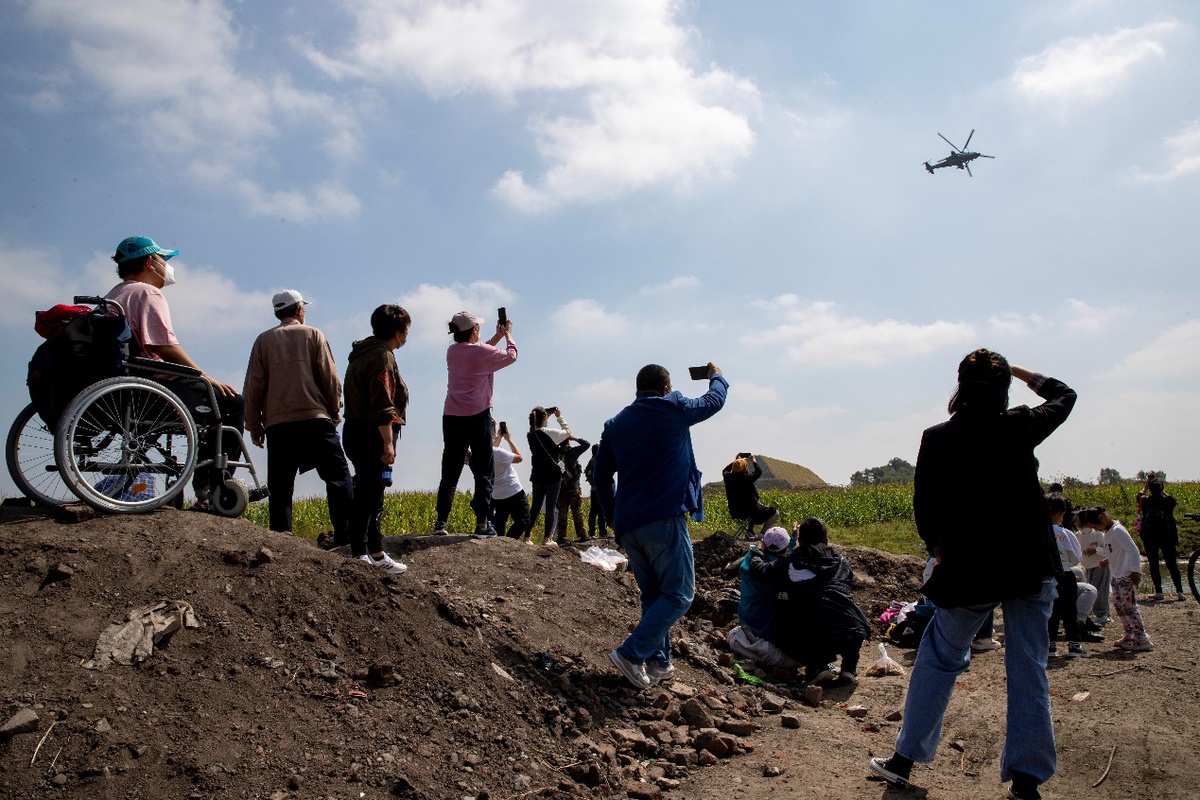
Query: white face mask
168,274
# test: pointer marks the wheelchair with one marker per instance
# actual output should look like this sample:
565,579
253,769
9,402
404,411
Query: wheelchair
127,444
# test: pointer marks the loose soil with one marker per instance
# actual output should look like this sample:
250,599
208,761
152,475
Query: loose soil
483,673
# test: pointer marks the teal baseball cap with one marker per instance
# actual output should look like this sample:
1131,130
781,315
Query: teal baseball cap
138,246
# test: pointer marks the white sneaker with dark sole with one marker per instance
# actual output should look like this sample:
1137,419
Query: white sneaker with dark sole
636,673
658,674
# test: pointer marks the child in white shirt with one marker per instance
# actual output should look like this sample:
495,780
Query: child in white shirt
1125,563
1093,552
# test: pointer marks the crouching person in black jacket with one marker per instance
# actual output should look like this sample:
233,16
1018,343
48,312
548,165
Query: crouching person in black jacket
819,620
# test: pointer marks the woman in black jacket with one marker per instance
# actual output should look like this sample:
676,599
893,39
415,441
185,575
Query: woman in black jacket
1007,557
546,467
1160,533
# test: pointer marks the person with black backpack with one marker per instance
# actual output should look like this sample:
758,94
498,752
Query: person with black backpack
144,272
1161,534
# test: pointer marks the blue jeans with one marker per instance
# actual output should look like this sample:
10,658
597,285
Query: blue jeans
661,560
945,653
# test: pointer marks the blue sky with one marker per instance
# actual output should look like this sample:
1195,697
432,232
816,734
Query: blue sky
641,181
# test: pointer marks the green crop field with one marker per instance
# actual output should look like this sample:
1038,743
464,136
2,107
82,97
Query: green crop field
871,516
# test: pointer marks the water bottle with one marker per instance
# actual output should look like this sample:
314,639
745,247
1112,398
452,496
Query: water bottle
387,476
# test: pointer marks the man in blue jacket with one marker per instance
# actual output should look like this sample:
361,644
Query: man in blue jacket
650,445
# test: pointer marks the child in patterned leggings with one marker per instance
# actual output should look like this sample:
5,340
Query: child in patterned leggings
1125,563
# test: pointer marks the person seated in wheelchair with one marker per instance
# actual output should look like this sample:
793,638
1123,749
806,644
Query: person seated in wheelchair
144,272
742,494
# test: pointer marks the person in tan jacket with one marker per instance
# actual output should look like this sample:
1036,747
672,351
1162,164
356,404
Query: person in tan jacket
293,402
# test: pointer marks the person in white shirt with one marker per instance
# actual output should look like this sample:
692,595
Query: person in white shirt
1125,562
1068,587
1085,593
1092,552
508,496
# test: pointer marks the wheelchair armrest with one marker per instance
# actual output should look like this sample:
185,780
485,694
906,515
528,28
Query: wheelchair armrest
165,367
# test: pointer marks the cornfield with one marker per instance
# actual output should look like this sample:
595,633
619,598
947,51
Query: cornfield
875,516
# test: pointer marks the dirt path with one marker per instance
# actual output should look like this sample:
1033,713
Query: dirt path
482,673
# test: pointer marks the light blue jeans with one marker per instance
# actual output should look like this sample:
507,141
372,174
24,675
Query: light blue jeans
662,563
945,653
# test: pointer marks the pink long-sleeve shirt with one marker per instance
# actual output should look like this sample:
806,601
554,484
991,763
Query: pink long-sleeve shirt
471,368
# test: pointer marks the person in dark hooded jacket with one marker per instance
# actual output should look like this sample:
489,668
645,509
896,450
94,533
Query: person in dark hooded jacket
819,621
376,401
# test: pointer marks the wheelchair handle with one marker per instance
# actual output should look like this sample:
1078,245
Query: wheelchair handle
89,299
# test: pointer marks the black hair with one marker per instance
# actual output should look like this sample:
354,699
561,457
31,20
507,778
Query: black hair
983,380
812,531
287,312
1156,488
388,320
1055,487
1056,502
131,266
537,417
653,378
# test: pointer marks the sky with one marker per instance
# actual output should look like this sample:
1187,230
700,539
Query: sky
640,181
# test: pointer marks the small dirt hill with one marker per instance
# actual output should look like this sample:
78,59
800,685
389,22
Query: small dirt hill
483,673
779,475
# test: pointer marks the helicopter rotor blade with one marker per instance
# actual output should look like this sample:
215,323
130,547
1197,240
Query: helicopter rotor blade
952,144
969,173
981,155
968,144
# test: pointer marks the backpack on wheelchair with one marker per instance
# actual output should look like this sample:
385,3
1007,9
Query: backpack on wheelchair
104,426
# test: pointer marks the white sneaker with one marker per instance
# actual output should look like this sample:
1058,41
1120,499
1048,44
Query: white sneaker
387,564
658,674
635,673
983,645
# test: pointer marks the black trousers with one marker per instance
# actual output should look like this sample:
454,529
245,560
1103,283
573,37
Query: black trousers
596,517
1169,554
819,655
460,434
516,507
194,394
364,448
299,446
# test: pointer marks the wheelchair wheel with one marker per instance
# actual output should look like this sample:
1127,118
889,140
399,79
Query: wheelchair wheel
230,498
30,456
126,445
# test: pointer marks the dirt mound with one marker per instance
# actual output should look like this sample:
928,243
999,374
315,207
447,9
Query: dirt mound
481,673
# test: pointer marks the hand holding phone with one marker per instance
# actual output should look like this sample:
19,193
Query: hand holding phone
698,373
502,316
503,428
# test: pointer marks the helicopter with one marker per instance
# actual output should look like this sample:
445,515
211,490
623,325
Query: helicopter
959,158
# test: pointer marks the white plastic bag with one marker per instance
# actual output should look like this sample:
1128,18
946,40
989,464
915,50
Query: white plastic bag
605,559
885,665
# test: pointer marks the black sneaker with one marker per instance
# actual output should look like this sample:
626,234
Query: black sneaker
896,774
439,529
1023,787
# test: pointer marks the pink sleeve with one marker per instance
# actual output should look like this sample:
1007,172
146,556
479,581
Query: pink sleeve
150,318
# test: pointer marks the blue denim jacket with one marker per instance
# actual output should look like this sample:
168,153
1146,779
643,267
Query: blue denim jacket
649,445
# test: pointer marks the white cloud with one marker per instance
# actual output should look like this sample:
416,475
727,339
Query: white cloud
33,280
587,318
638,114
1088,320
1183,151
671,286
431,307
1174,354
1080,69
610,393
817,334
168,71
1011,323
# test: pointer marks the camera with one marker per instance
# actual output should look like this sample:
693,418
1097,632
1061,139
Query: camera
552,411
698,373
743,455
503,427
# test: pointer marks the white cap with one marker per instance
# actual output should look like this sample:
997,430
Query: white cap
288,297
